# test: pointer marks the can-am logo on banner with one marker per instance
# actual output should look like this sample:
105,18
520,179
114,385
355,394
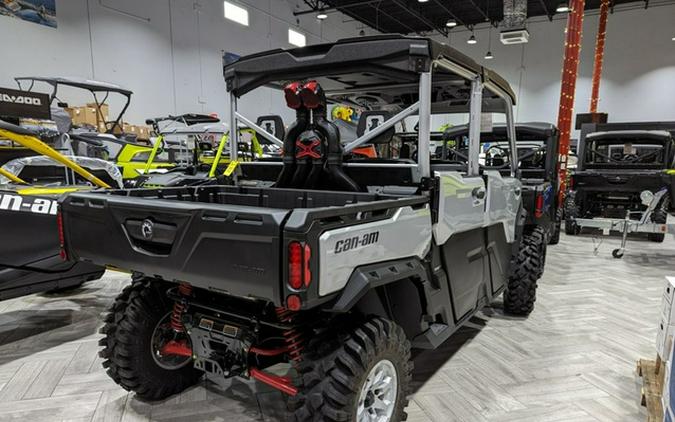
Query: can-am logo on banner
24,104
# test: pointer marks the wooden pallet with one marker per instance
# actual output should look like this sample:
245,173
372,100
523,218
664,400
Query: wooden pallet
652,373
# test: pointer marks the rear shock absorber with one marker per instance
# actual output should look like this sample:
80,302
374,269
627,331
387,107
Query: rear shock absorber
185,290
293,337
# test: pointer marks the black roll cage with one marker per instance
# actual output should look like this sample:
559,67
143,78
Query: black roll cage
93,87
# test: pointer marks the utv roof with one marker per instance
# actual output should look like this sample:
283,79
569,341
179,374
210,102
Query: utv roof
88,84
542,129
651,134
359,64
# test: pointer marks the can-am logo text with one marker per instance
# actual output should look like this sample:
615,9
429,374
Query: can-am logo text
20,99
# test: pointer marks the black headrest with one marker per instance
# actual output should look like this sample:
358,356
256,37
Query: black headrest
371,119
273,124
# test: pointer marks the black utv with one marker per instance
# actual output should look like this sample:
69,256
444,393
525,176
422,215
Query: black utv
336,266
614,168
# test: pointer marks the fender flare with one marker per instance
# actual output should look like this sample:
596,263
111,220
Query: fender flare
368,277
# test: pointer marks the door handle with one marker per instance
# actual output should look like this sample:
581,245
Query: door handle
478,193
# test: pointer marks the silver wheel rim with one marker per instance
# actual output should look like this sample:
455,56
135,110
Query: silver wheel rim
377,399
168,362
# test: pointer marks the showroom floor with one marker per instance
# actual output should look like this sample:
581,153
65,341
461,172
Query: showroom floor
573,359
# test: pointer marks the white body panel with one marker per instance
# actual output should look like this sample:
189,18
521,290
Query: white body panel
461,209
407,233
503,202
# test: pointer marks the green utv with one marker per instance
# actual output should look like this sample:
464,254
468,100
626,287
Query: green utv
365,258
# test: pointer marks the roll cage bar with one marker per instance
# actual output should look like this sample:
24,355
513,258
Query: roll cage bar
394,64
93,87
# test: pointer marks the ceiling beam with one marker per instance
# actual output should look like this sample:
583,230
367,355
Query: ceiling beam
548,13
314,9
452,15
485,16
424,20
377,10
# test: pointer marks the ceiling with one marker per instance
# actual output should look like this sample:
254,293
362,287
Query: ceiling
411,16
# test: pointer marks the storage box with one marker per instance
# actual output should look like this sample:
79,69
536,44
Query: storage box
666,328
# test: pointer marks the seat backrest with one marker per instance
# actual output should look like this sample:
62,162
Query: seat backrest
273,124
371,119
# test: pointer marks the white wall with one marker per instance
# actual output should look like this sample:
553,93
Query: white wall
173,62
638,80
169,54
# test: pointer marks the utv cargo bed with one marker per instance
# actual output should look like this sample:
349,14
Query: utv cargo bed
224,236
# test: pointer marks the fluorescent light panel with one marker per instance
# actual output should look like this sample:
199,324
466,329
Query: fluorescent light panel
236,13
296,38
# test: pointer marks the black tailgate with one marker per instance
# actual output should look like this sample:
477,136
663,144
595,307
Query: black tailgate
616,181
229,248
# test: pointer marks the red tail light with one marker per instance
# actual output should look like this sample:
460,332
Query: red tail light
292,95
299,274
539,206
62,238
310,94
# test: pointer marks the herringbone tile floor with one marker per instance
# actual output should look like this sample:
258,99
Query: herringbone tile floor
573,359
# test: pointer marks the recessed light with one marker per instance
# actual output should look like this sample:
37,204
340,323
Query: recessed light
563,7
451,23
471,40
322,15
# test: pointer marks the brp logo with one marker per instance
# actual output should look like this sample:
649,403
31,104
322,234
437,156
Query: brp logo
147,229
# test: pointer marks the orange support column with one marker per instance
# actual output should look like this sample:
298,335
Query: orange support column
575,21
599,55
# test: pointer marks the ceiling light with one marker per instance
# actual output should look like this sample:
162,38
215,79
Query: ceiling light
322,15
563,7
296,38
471,40
489,56
451,23
673,38
422,1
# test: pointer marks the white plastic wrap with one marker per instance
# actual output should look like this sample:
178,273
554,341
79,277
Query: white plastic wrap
17,165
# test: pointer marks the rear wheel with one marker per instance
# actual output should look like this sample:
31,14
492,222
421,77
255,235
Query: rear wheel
521,291
571,212
659,216
136,326
362,375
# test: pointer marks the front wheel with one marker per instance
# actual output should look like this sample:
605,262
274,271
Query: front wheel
362,375
136,327
521,290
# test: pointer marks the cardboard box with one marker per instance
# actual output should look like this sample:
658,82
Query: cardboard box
105,109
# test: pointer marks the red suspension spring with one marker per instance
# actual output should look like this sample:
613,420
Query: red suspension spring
185,290
293,338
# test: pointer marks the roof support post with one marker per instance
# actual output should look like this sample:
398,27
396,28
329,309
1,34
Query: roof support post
424,126
475,110
234,133
570,70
